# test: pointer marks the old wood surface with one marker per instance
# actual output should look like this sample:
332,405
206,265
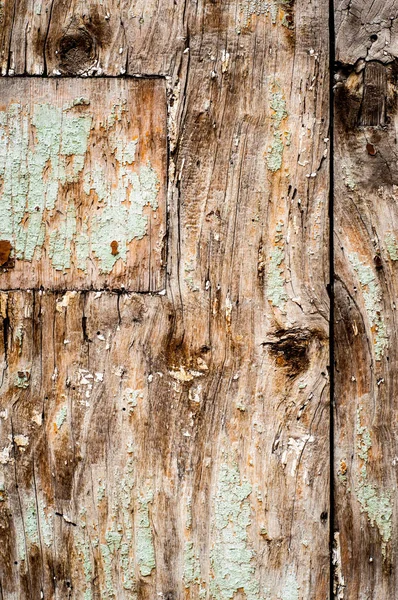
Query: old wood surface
83,196
177,445
366,251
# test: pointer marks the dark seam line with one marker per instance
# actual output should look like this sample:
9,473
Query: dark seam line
132,76
332,58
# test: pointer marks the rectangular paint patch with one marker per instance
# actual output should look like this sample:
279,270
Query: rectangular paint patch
83,166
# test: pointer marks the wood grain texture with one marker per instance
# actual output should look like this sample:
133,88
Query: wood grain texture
83,195
366,290
213,482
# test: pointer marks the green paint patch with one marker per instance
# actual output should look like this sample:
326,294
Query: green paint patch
43,148
378,507
390,242
290,589
144,541
231,556
373,300
278,105
191,565
22,379
275,153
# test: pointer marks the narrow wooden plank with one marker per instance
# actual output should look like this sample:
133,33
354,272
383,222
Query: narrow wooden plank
214,482
83,167
366,220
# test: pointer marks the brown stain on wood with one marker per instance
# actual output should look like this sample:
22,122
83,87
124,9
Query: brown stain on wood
5,251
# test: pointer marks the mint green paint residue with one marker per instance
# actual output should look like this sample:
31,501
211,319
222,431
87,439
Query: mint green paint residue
32,174
191,565
378,507
109,591
60,417
275,153
144,541
391,244
231,557
123,222
290,589
75,132
278,105
275,283
125,494
373,303
22,379
31,524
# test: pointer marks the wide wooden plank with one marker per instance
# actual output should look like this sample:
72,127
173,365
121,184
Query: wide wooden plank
214,482
366,233
83,192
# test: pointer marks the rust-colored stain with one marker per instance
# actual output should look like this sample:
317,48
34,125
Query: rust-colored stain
114,246
5,250
371,149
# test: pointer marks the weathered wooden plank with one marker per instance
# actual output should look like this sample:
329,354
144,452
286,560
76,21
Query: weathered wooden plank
83,192
224,491
366,288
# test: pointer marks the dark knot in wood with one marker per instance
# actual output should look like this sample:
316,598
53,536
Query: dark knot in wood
77,52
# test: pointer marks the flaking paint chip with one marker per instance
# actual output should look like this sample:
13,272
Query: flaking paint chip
83,170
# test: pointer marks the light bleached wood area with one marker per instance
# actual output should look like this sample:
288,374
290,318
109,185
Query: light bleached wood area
366,251
176,445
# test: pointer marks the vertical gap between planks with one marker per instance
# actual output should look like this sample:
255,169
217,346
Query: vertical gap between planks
332,55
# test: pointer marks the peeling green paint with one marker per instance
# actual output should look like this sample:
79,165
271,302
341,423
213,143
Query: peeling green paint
276,293
231,556
275,153
119,537
191,565
120,221
144,542
373,303
278,105
75,132
378,507
22,379
392,247
290,589
44,147
31,523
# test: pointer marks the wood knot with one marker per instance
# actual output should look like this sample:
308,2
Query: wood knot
290,349
77,52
